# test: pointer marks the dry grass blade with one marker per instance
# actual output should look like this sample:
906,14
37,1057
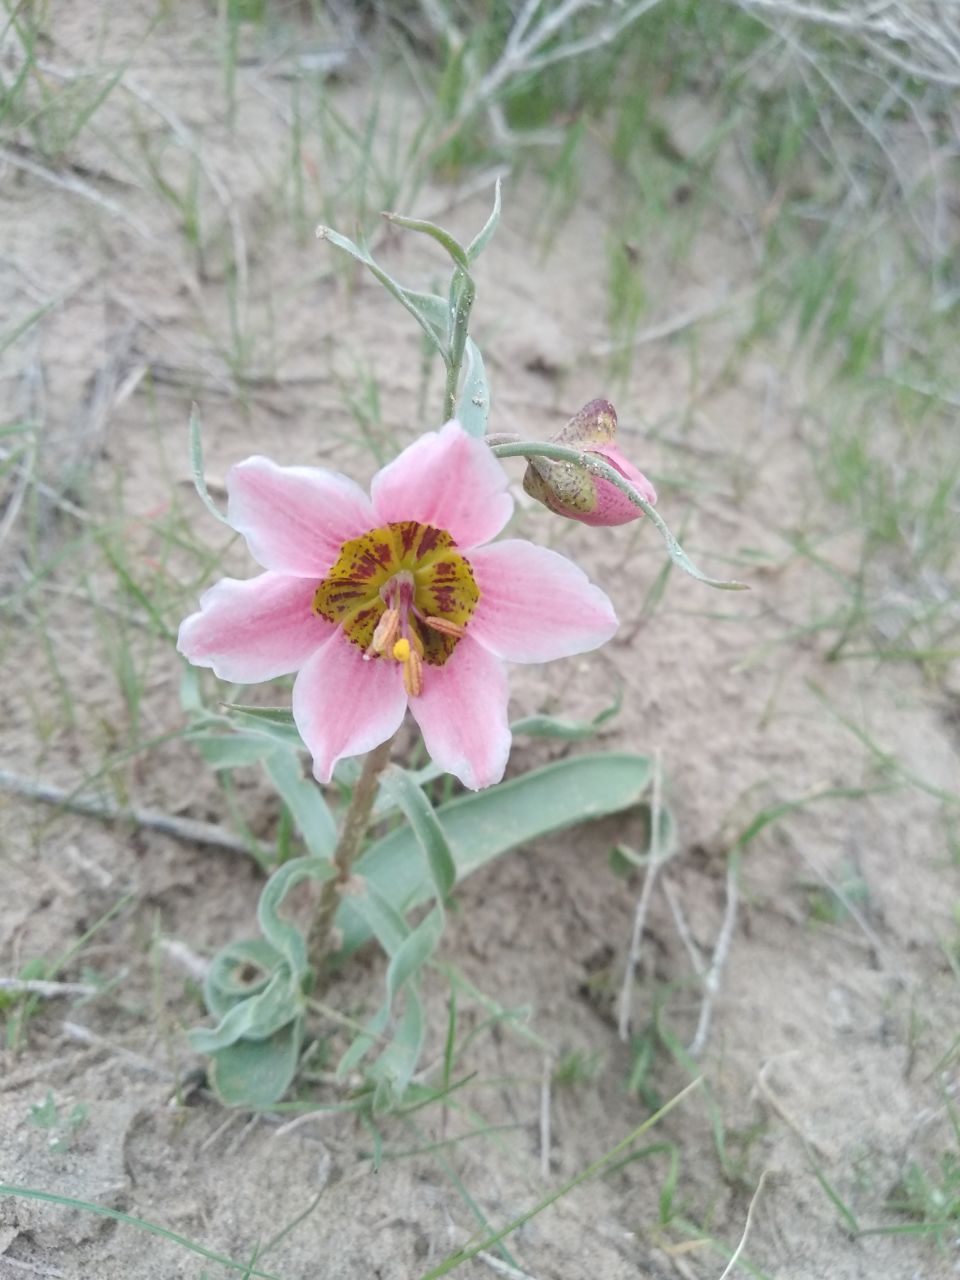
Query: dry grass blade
729,1268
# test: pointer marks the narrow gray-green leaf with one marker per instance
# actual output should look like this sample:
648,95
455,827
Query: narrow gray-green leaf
473,407
382,919
397,1063
436,311
444,238
403,296
623,858
386,805
304,799
364,1042
196,466
277,722
482,826
286,937
565,730
191,697
483,236
425,825
232,750
414,952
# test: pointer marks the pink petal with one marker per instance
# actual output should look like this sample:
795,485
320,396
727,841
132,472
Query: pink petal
344,706
462,713
254,630
536,605
449,480
295,519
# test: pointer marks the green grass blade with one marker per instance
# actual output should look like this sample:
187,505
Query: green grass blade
464,1255
151,1228
196,467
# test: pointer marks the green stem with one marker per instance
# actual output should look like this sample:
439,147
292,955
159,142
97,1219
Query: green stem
348,847
597,466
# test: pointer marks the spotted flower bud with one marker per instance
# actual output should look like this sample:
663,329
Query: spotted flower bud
572,491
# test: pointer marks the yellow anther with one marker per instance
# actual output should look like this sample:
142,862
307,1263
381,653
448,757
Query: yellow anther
386,632
446,627
401,650
413,674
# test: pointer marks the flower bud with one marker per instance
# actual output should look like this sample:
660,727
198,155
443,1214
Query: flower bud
572,491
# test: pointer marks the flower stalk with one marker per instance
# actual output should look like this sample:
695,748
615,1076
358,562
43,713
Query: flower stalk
355,823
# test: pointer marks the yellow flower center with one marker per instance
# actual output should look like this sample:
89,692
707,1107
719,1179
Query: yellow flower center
401,592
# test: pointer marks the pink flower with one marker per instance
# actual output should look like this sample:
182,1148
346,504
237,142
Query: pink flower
393,601
570,491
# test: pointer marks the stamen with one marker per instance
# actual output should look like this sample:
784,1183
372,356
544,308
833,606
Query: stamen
385,635
413,674
412,666
446,627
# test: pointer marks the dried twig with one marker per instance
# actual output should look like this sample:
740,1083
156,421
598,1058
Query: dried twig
675,324
492,1261
85,1035
654,863
503,1268
683,929
711,982
190,830
545,1139
76,186
234,1146
197,966
31,1268
213,1138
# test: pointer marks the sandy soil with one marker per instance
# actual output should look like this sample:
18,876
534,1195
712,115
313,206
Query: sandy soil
826,1031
